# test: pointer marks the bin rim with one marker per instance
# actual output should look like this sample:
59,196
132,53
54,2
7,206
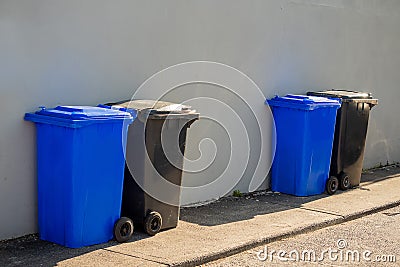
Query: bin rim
303,102
347,96
156,106
65,116
193,115
154,109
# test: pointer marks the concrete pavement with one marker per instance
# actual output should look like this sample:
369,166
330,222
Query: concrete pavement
371,240
226,227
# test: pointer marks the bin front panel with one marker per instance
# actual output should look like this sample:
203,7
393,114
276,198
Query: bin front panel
80,175
303,150
147,164
352,138
54,168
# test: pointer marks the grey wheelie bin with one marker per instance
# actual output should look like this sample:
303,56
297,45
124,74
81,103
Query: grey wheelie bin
154,162
350,134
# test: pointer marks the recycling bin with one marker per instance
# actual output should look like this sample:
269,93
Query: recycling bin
350,134
80,170
154,162
304,138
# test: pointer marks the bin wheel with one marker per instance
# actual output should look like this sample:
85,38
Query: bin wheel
152,223
123,229
344,181
332,185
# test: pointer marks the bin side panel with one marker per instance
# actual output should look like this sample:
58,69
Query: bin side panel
133,194
286,168
338,142
304,184
98,164
320,136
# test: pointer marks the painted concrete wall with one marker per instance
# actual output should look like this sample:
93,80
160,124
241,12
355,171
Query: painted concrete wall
94,51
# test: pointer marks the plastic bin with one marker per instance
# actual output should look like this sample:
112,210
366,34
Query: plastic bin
304,135
80,164
147,162
350,134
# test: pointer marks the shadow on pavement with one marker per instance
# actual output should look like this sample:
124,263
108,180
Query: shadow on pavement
231,209
31,251
379,174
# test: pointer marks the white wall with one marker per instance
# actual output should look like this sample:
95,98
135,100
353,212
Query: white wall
93,51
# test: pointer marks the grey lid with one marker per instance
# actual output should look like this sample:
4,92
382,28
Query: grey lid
154,109
344,94
155,106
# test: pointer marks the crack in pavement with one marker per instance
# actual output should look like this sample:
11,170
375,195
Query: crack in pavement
137,257
323,211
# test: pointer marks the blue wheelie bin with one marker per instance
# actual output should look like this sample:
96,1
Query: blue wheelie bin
80,169
304,137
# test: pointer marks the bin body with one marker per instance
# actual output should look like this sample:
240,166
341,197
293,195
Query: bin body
304,137
350,132
80,167
147,163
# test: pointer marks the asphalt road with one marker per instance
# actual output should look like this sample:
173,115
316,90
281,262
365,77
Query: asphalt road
369,241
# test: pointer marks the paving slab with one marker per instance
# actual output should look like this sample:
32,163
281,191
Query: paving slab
378,233
191,242
368,197
223,228
103,257
30,251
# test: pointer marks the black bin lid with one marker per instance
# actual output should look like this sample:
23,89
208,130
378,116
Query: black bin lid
340,93
347,95
158,109
155,106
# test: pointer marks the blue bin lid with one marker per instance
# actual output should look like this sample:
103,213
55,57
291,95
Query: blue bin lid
303,102
77,116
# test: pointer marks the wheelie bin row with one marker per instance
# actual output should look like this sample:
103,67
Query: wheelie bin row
320,141
81,166
96,164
